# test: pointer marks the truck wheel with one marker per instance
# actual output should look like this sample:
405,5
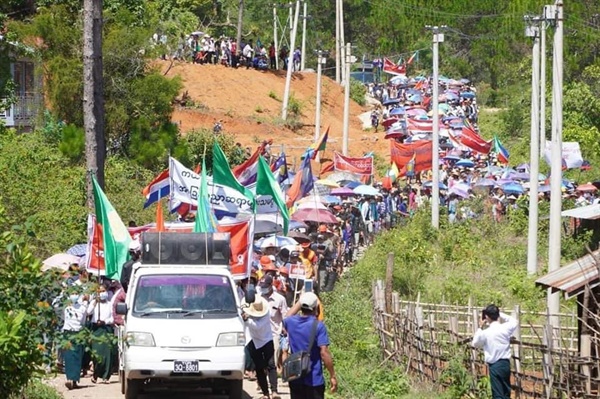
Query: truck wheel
236,389
132,388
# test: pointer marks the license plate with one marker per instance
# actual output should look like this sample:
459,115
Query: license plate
186,366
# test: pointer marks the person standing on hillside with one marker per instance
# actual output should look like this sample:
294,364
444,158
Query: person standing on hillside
494,338
299,329
273,56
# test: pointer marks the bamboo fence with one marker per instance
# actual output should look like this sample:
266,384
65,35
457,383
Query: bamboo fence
546,361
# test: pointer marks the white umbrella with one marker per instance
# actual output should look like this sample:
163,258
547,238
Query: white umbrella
364,189
276,241
60,261
311,205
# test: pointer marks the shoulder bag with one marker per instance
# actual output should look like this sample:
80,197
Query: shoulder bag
297,365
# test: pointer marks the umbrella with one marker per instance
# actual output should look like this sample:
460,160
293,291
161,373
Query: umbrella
342,191
460,189
319,189
327,183
485,183
440,184
451,95
398,79
343,176
352,185
364,189
512,188
391,101
314,215
392,135
331,199
451,158
60,261
275,241
300,237
524,167
311,199
398,111
467,94
520,176
415,112
465,163
586,188
545,188
311,205
295,225
78,250
266,226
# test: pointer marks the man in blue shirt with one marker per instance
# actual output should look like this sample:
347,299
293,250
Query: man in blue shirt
299,328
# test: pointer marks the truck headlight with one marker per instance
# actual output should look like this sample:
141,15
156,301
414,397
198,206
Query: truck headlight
134,338
231,339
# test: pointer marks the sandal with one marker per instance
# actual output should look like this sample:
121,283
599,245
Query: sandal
94,379
69,384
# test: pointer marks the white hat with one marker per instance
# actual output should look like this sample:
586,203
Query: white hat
135,245
309,301
257,309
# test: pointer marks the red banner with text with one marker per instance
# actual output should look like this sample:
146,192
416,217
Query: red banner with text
360,166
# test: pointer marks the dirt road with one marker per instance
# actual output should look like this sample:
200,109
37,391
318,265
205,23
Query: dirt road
88,390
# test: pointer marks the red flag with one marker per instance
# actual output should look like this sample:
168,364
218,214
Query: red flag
391,68
419,153
412,57
327,167
470,138
160,220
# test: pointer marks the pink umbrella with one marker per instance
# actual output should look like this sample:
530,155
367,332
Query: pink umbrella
587,188
342,191
314,215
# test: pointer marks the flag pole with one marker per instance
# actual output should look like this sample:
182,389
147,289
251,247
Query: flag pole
198,207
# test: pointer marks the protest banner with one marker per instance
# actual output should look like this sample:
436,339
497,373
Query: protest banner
418,153
571,154
360,166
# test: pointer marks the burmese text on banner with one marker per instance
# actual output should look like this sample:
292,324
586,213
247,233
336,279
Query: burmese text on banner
360,166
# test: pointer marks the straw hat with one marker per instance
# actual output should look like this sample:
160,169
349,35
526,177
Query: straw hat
257,309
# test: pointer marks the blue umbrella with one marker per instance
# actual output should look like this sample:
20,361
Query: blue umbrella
466,163
464,81
430,184
353,184
545,188
391,101
485,183
398,111
415,98
513,188
364,189
331,199
450,95
78,250
294,225
467,94
452,158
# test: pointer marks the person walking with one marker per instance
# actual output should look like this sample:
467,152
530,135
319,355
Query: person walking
258,321
75,314
299,326
494,338
102,335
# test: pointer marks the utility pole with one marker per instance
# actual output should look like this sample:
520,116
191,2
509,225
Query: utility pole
337,41
321,60
93,95
347,62
275,43
544,24
438,38
290,66
532,30
342,44
303,52
556,164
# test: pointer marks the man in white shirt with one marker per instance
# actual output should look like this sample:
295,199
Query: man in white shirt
494,338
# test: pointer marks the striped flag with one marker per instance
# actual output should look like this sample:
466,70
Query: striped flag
157,189
501,152
317,146
412,58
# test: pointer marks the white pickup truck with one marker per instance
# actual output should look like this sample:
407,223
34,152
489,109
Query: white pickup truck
183,330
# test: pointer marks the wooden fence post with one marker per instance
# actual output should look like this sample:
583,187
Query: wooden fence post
518,351
389,277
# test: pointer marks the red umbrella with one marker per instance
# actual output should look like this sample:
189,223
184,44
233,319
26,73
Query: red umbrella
314,215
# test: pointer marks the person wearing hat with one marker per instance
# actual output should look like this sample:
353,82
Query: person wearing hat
267,267
258,321
299,325
135,253
278,309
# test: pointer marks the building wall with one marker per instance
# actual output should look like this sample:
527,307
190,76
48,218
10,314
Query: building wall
23,113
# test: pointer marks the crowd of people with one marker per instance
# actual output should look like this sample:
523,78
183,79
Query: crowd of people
201,48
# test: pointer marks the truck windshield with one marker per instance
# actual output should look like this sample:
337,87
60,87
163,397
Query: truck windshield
184,294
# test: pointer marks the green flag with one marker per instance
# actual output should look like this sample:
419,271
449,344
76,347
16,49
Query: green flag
223,175
205,219
114,233
266,184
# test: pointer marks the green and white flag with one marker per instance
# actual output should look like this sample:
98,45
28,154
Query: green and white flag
205,218
115,236
266,184
223,175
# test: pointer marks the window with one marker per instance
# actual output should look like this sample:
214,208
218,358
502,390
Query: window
184,295
24,76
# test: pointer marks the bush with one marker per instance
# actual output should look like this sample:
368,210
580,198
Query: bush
358,92
72,144
38,390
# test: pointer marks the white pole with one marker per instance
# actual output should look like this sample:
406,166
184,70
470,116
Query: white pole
303,54
556,178
275,42
543,88
320,61
534,155
337,41
348,53
435,156
290,66
342,44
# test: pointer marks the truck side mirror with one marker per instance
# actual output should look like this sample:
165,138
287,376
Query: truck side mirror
122,309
